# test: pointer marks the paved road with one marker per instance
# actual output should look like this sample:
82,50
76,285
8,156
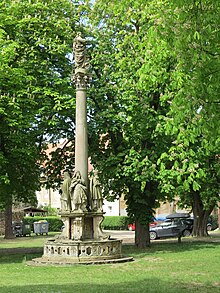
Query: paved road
121,233
125,235
128,236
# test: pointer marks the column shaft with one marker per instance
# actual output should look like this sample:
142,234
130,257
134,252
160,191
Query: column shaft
81,145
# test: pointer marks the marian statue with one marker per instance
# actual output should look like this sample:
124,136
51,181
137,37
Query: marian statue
79,51
78,193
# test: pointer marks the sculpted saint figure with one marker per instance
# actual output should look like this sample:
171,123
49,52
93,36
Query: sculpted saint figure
96,192
79,51
78,193
65,195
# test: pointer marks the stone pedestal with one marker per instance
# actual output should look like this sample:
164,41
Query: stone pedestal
82,241
58,251
82,226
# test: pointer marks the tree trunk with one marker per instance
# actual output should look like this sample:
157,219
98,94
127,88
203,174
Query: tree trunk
8,222
142,236
201,216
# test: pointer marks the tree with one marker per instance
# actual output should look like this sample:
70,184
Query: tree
193,119
35,70
132,69
155,94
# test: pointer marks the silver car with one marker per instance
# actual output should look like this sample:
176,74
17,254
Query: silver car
170,228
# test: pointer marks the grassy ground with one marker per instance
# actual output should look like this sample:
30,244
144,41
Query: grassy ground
192,266
25,242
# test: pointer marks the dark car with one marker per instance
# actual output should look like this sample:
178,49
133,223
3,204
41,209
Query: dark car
189,222
171,228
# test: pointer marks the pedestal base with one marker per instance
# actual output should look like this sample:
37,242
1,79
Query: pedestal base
81,242
82,226
81,252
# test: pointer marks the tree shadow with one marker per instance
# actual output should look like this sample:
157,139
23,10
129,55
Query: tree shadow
168,247
17,258
149,285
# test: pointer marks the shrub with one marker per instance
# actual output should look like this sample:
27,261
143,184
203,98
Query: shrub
55,223
50,211
115,223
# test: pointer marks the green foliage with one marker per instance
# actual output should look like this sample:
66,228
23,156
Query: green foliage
156,83
115,223
55,223
35,89
153,102
50,211
192,162
132,70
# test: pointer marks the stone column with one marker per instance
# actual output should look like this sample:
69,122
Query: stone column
81,143
81,79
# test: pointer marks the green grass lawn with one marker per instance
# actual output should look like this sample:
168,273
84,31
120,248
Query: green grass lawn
192,266
28,241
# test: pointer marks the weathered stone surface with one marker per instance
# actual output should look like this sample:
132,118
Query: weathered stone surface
82,249
81,252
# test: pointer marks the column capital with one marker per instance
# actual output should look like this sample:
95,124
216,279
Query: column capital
81,78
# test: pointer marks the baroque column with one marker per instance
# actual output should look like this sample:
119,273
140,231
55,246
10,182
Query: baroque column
81,79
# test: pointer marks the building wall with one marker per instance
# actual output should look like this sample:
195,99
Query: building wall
169,208
48,197
111,208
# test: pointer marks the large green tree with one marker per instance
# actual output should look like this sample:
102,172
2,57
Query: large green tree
35,91
157,91
132,69
193,160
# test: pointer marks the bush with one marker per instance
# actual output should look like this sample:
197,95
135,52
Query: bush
50,211
55,223
115,223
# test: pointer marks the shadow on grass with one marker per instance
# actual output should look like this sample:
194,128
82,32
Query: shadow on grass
17,258
20,255
149,285
168,247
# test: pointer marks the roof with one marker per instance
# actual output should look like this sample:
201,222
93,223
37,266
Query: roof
33,210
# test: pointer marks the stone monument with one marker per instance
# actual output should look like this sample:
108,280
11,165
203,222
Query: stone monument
82,239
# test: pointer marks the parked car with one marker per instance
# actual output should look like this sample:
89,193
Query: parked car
210,226
171,228
176,224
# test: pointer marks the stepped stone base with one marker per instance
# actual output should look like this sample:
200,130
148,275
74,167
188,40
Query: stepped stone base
60,252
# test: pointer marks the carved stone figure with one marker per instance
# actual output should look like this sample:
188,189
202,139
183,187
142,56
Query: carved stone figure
65,195
79,51
78,193
96,192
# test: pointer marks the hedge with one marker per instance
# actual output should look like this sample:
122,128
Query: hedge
115,223
109,222
55,223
